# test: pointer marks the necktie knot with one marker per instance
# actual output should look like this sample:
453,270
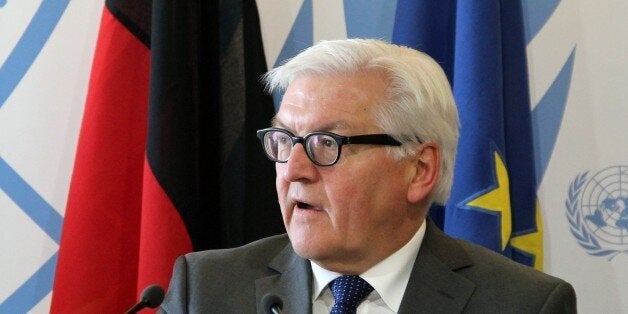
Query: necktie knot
348,292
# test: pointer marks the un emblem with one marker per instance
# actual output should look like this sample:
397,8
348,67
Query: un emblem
597,213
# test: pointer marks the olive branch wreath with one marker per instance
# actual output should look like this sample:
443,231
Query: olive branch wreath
576,223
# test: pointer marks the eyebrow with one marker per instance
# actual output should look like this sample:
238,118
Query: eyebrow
336,125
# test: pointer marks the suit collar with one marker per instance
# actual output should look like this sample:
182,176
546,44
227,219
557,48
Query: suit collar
434,283
291,282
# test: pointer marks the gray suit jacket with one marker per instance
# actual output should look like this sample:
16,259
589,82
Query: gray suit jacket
449,276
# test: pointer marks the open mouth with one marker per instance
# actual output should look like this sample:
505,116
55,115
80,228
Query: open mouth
306,206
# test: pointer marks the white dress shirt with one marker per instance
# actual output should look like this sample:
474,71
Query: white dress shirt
388,278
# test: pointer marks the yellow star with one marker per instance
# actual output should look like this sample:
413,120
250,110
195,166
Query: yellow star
498,200
532,243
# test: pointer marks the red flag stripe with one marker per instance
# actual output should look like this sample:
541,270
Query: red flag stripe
163,235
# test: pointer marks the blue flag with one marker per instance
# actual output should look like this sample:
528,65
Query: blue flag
481,46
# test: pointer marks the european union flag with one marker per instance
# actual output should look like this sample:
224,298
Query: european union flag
481,46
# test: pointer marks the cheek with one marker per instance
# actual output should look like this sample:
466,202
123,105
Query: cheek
350,200
282,189
366,197
279,183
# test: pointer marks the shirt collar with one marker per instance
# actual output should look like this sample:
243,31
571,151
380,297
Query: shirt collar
389,277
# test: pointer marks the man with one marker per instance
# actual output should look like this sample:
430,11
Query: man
364,142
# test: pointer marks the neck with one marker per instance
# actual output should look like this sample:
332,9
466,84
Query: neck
356,263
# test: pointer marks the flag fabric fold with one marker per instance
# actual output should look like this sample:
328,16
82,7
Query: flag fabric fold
481,46
167,161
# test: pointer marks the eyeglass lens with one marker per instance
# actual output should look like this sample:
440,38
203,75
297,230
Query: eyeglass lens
278,145
321,148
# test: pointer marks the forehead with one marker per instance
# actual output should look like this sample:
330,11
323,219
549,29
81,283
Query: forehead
335,102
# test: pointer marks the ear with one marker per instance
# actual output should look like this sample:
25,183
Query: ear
426,166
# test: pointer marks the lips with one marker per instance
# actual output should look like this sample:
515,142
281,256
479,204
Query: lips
305,205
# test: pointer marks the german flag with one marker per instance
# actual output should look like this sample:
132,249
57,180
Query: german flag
167,161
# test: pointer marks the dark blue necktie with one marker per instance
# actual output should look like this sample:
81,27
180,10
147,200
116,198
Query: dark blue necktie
348,292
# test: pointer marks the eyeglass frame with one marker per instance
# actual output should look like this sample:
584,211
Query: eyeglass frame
368,139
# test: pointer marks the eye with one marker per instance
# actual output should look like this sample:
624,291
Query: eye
324,141
327,142
280,138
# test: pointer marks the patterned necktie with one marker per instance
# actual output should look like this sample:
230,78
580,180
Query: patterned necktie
348,292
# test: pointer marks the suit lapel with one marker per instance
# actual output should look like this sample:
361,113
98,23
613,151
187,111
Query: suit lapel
434,286
292,283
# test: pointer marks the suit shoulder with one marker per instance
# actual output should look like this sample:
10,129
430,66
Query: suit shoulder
257,253
497,284
488,262
205,281
500,280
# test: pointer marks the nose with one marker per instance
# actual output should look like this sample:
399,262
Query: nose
299,167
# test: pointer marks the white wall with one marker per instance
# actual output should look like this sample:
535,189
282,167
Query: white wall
592,138
49,56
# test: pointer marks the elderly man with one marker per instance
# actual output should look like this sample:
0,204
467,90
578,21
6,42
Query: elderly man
364,142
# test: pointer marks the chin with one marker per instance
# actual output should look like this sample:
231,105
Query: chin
307,248
306,252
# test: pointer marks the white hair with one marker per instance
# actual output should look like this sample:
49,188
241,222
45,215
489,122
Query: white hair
418,105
